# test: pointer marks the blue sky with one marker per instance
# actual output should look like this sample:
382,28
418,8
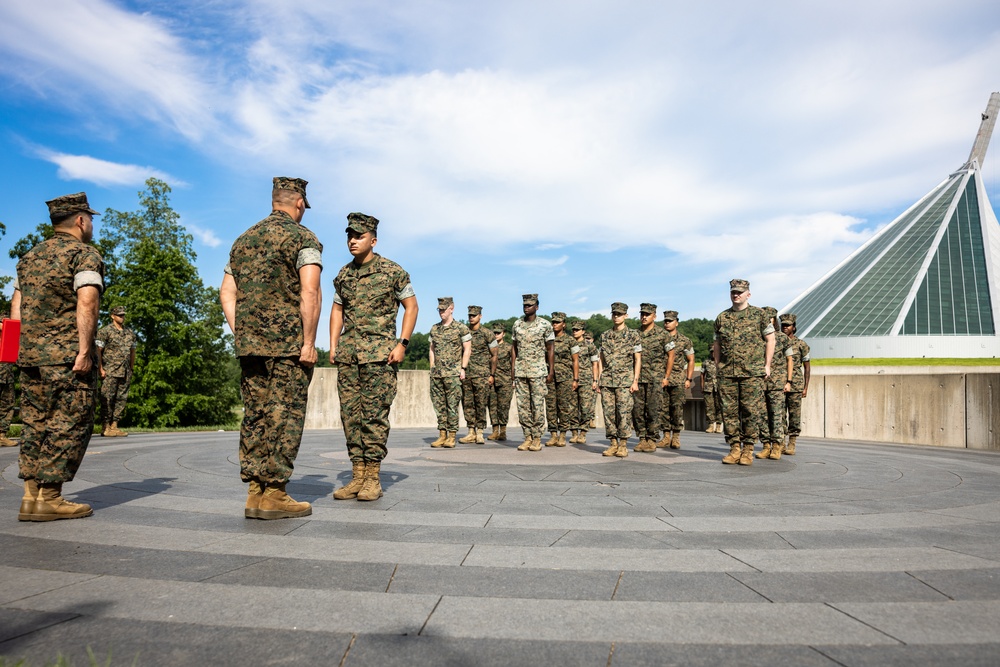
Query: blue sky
588,151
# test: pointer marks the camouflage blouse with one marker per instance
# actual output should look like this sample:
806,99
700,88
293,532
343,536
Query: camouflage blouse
709,372
655,347
741,335
779,362
116,350
683,348
503,362
483,341
446,341
618,349
799,352
48,277
588,355
370,295
565,347
529,340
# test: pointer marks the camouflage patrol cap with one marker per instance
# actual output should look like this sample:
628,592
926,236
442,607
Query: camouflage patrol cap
475,310
444,302
361,223
529,298
578,325
669,315
65,206
646,308
294,184
118,310
619,307
739,285
558,316
788,318
499,327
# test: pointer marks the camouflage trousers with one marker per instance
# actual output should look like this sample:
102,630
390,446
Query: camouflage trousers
500,397
476,401
446,394
560,406
114,396
793,402
585,405
713,408
743,409
646,410
274,390
672,412
57,408
531,405
773,430
617,404
366,393
6,407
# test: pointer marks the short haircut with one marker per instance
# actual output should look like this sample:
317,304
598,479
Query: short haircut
285,197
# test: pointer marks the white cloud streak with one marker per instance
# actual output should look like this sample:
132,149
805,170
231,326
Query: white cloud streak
102,172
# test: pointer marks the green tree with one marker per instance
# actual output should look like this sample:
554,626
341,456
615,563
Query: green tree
701,332
418,353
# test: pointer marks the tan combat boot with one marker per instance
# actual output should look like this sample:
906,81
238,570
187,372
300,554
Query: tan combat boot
254,494
562,440
718,428
502,437
734,454
27,512
449,440
479,437
582,438
553,439
50,505
675,440
276,504
572,438
524,446
645,445
622,450
372,489
495,435
711,428
790,448
7,442
470,438
351,489
117,432
765,452
664,442
442,436
610,451
776,448
746,455
105,430
536,443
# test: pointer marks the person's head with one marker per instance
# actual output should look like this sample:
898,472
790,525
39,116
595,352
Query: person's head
647,314
739,292
529,304
619,311
446,307
475,315
788,324
499,330
362,234
289,195
558,322
579,330
118,315
670,320
73,215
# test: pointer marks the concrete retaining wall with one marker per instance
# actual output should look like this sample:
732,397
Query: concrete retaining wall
946,407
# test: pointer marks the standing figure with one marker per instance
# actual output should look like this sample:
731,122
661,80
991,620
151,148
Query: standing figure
710,390
450,347
8,380
589,337
560,397
503,388
621,364
586,388
366,351
533,353
743,346
115,359
271,298
680,371
800,381
772,435
57,294
478,377
656,352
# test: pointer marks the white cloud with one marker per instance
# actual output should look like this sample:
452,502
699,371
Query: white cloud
102,172
206,236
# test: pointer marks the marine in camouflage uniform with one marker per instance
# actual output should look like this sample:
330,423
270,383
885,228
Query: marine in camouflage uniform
478,377
799,353
116,359
534,341
646,401
364,347
560,398
772,435
8,380
586,388
503,385
710,390
589,337
621,366
680,368
450,347
271,298
57,296
744,343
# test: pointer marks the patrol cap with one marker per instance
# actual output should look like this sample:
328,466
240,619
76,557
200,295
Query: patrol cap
499,327
578,325
529,298
65,206
444,302
558,316
619,307
294,184
646,308
475,310
739,285
788,318
118,310
669,315
361,223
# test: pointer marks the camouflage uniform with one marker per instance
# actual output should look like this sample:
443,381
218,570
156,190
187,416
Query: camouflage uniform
773,432
713,410
476,385
530,371
116,360
8,379
741,335
674,394
446,387
560,399
618,349
264,263
503,388
585,394
647,401
57,405
370,295
799,352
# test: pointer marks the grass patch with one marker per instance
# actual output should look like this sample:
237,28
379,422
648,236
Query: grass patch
917,361
63,661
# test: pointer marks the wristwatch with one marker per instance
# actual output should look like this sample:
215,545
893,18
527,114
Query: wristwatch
404,342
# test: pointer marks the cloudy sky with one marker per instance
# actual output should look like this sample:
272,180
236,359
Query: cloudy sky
590,151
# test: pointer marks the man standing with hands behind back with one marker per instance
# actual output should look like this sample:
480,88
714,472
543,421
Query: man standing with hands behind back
271,298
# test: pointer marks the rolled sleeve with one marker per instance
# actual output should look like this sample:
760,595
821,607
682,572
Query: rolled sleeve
406,292
309,256
88,278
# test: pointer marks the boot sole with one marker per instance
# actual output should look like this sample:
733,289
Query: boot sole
250,513
370,499
269,515
54,517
